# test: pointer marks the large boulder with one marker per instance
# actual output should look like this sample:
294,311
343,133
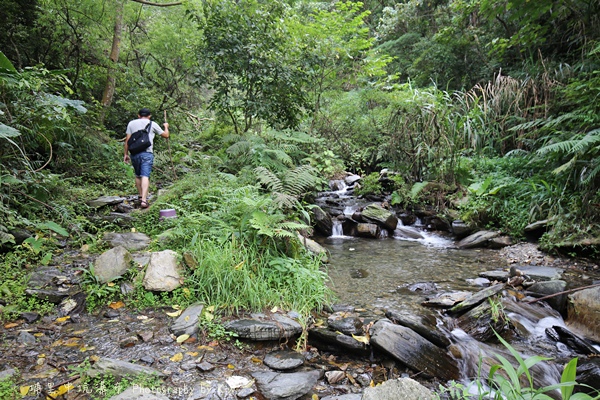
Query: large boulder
130,240
162,273
119,369
378,215
478,239
285,386
413,350
368,230
112,264
323,221
398,389
263,327
547,288
187,322
314,247
584,312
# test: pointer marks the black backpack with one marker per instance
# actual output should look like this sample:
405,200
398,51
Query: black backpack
139,141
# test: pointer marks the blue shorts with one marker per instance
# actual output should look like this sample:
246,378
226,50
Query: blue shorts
142,163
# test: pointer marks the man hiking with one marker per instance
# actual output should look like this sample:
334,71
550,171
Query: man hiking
142,162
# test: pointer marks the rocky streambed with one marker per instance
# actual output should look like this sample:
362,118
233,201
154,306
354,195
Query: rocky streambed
395,342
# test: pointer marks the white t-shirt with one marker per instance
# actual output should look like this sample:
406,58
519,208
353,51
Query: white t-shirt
141,123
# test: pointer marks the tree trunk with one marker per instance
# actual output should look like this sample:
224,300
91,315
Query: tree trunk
109,89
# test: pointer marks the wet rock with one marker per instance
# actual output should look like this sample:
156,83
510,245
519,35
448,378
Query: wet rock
478,282
446,300
314,247
111,313
205,366
147,359
495,275
72,305
120,369
51,296
352,179
480,324
132,241
334,377
384,218
238,382
541,289
126,288
541,273
190,260
536,226
263,327
575,342
413,350
285,386
243,393
146,336
477,298
424,324
342,307
478,239
187,322
139,393
398,389
326,339
358,273
112,264
588,373
26,338
346,323
188,365
407,233
30,317
460,229
351,396
368,230
105,201
162,273
129,341
422,287
323,221
283,360
584,312
500,242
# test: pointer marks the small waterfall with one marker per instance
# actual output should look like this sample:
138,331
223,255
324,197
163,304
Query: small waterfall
411,233
336,229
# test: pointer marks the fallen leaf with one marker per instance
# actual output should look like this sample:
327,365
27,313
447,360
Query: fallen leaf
372,384
210,308
274,309
41,355
256,360
72,342
24,390
85,248
315,397
110,284
94,358
174,313
115,305
230,366
239,266
11,325
205,348
187,318
39,334
142,317
78,333
182,338
63,319
208,316
192,353
62,389
362,339
191,340
177,357
132,229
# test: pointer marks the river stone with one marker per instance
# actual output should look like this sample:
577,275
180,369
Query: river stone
283,360
424,324
320,336
495,275
500,242
139,393
120,369
323,221
352,396
352,179
460,229
263,327
26,338
314,247
546,288
7,373
538,225
398,389
478,239
30,317
575,342
380,216
541,273
162,273
407,233
130,240
446,300
285,386
588,373
105,201
112,264
346,323
477,298
584,312
187,322
368,230
479,324
413,350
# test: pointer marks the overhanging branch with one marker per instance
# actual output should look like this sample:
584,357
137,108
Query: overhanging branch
148,3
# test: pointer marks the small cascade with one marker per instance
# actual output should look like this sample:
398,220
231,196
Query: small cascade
337,230
411,233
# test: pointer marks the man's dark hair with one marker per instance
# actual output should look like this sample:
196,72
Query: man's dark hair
144,112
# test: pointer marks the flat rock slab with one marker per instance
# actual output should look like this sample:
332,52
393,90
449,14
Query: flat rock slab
112,264
132,241
162,273
541,273
478,239
446,300
376,214
477,298
424,324
347,323
105,201
337,340
118,368
263,327
413,350
584,312
343,397
495,275
398,389
139,393
285,386
187,322
283,360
